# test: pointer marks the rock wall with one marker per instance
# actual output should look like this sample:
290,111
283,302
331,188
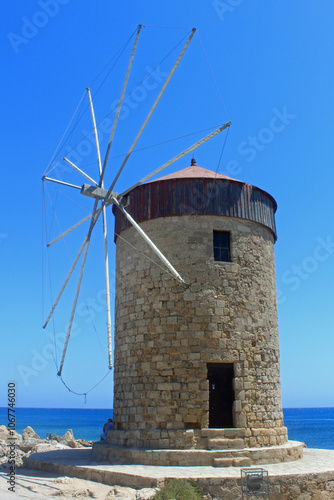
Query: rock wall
29,442
167,333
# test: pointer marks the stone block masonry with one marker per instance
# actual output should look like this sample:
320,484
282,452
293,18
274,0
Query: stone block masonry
310,478
167,333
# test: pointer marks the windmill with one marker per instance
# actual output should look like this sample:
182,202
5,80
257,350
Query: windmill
104,197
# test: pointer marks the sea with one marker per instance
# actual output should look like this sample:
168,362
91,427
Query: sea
313,426
85,424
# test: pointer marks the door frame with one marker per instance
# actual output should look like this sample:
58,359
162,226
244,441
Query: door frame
224,419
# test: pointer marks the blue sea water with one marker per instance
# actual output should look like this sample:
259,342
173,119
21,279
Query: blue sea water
85,424
313,426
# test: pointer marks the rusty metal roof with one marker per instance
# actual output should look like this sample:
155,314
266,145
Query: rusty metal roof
198,191
194,172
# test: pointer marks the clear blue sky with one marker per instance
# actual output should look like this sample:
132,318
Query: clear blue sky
272,62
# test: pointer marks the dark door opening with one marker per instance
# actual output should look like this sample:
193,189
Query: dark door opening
221,395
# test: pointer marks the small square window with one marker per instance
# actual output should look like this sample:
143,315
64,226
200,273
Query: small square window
221,246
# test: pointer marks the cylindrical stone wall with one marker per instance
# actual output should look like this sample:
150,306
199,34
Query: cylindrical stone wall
167,333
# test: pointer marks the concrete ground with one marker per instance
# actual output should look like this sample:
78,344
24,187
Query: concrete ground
79,464
31,484
314,461
36,485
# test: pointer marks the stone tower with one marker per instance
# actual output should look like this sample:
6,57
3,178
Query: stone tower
197,377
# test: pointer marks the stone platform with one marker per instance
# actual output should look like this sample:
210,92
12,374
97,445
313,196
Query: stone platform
311,477
220,453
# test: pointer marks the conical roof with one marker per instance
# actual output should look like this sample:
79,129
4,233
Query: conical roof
195,172
197,191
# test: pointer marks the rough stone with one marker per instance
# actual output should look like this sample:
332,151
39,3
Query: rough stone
44,447
159,378
119,492
29,433
5,436
166,333
30,444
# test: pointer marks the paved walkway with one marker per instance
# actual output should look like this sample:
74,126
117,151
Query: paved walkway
39,485
79,463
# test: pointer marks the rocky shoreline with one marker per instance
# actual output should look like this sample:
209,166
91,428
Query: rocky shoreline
34,485
29,442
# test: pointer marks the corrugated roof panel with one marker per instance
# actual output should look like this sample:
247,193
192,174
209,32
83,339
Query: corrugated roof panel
201,196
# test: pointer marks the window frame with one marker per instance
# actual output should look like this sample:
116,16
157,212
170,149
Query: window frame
220,248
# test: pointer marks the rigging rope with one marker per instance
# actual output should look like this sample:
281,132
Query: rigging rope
54,354
169,27
222,102
84,111
157,144
71,262
164,142
213,77
54,154
216,173
120,52
80,116
100,222
164,269
127,95
110,61
87,392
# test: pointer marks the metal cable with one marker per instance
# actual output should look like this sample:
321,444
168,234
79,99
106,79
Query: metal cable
216,173
54,154
71,262
157,144
128,95
87,392
54,353
79,118
213,77
169,27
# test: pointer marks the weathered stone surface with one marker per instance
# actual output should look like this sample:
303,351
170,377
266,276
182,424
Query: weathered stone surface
29,444
83,443
313,476
68,439
221,444
118,492
5,435
29,433
43,447
166,333
197,456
